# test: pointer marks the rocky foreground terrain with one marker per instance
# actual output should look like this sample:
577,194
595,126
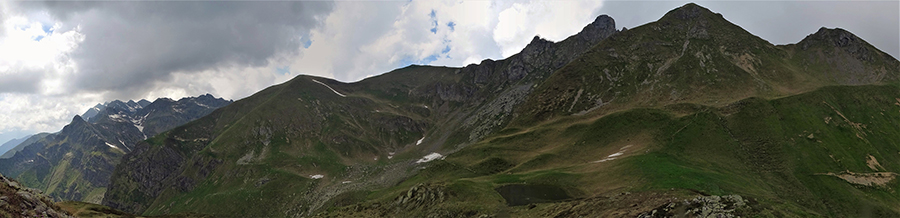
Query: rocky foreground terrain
18,201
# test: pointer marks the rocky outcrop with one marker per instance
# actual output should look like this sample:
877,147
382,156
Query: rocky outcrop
17,201
727,206
848,59
421,195
840,38
513,79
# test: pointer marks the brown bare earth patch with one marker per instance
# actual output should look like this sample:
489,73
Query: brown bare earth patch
867,179
860,133
873,163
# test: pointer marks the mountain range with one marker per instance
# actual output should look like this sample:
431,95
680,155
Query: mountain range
76,163
689,115
10,145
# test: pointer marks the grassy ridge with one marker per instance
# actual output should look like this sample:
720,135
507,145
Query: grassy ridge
756,148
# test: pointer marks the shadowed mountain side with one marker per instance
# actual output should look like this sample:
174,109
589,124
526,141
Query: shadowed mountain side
76,163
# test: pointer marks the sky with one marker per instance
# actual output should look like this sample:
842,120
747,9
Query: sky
57,59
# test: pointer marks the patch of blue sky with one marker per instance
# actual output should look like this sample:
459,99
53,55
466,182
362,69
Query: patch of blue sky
434,22
48,29
405,62
285,70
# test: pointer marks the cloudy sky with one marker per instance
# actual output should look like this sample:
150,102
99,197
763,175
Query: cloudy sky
57,59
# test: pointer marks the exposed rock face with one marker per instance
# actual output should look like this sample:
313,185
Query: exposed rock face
850,59
515,77
421,195
601,28
837,37
17,201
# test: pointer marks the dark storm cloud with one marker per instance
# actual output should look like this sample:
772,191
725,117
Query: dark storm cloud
24,82
783,22
129,46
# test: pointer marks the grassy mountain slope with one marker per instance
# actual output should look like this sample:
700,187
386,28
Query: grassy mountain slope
805,155
603,123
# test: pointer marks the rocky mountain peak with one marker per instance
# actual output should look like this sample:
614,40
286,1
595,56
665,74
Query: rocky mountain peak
144,102
78,124
537,42
835,37
689,11
77,120
602,27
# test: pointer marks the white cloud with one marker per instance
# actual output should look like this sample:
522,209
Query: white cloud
551,20
361,39
41,113
32,60
34,65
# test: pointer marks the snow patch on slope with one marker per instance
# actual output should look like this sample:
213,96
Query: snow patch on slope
112,146
329,87
139,123
614,155
118,117
420,140
429,158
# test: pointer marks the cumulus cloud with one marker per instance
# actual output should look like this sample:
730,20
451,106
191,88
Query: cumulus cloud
59,58
551,20
130,45
361,39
